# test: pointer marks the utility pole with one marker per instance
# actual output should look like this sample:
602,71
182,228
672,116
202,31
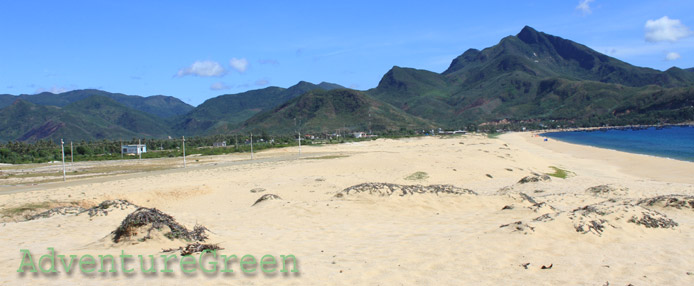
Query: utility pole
121,148
298,128
236,141
139,150
251,145
72,160
184,151
62,151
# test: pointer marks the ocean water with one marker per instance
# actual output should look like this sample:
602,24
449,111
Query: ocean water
676,142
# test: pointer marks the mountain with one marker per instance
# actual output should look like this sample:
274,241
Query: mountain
686,75
543,55
327,111
108,112
95,117
533,75
225,112
418,92
6,100
329,86
159,105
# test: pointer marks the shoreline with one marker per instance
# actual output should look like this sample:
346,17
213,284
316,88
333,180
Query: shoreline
599,128
639,127
634,164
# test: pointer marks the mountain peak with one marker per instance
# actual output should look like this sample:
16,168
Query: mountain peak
329,85
529,35
460,62
21,102
303,82
527,29
302,86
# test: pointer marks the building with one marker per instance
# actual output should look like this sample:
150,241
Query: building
134,149
219,144
451,132
359,134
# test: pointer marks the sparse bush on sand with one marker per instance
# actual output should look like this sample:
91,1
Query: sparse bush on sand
417,176
193,248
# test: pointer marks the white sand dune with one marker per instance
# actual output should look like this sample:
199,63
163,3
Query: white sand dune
418,239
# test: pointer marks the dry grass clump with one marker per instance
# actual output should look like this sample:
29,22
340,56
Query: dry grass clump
267,197
103,208
669,201
146,219
607,190
193,248
66,210
386,189
534,179
36,210
417,176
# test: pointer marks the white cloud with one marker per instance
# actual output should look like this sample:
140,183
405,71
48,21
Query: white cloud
584,6
269,62
202,68
241,65
262,82
219,86
666,29
671,56
53,90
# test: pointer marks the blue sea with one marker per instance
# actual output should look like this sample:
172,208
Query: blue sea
676,142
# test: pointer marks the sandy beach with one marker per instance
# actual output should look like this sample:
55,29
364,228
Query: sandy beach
616,217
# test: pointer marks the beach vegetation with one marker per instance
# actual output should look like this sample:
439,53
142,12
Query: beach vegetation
326,157
559,172
14,211
493,135
417,176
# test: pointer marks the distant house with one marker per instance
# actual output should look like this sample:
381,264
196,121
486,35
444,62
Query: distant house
450,132
219,144
134,149
359,134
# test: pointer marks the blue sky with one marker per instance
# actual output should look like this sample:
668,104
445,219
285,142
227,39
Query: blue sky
198,50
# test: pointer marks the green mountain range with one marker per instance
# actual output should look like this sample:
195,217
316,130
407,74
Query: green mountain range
225,112
534,75
529,77
96,117
159,105
327,111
